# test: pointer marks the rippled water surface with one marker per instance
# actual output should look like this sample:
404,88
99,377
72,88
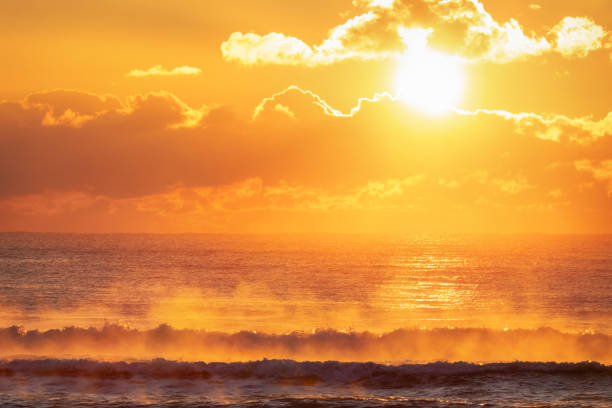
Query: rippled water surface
286,283
288,383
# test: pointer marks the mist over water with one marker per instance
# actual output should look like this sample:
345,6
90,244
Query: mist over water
398,346
103,319
281,284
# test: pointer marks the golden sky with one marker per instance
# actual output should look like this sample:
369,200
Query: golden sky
411,116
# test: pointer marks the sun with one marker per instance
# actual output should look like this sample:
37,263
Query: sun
429,81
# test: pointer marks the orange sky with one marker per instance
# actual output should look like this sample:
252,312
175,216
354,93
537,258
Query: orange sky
274,116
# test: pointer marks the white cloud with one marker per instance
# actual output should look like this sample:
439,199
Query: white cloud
159,70
277,48
272,48
376,34
577,36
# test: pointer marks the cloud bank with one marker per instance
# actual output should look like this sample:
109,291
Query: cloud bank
459,27
75,161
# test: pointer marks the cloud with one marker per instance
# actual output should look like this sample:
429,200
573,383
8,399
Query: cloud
68,107
309,101
577,36
80,102
583,130
272,48
43,147
284,109
276,48
158,70
512,186
460,27
189,209
153,163
601,171
552,133
487,39
374,3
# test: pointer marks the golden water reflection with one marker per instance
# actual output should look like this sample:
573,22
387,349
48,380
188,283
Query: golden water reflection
422,284
273,285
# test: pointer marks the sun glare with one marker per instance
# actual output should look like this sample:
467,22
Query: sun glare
429,81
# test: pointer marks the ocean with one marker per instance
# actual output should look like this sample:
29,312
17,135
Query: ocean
140,320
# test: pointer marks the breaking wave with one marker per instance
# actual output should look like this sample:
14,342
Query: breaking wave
299,373
113,343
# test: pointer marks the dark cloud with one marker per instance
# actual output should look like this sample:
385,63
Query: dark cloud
318,158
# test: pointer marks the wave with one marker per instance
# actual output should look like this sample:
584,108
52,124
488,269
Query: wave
291,372
113,342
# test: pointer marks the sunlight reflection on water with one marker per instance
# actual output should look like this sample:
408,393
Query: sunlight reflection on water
287,283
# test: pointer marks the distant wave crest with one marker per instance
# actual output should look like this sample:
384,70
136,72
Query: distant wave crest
113,343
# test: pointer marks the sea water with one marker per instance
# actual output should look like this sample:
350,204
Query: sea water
305,320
